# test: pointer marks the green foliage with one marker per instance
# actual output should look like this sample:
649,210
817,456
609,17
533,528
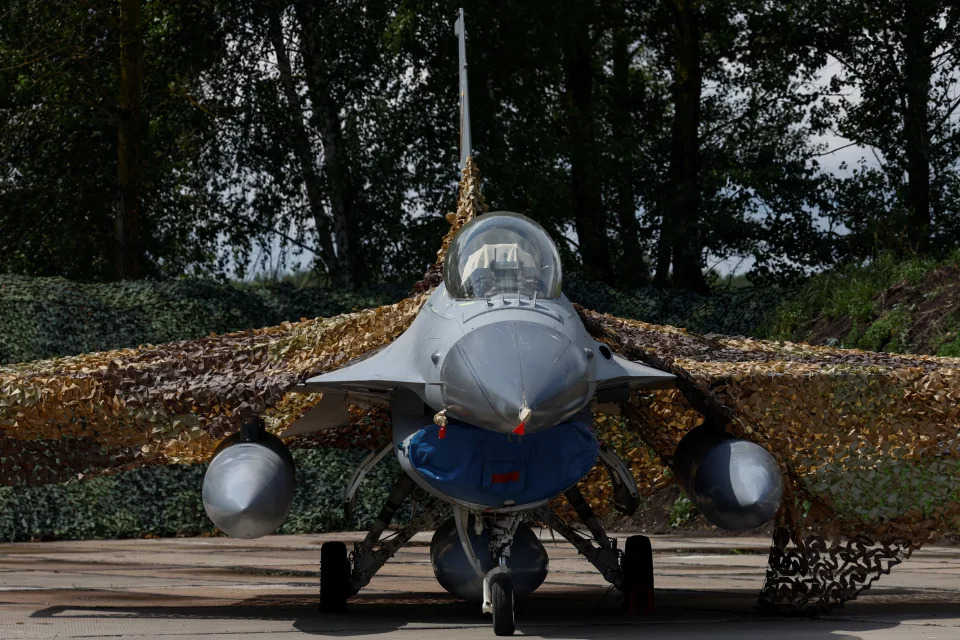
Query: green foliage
847,292
60,113
887,333
271,132
682,512
541,157
166,501
902,195
738,311
887,304
265,134
51,317
314,159
950,348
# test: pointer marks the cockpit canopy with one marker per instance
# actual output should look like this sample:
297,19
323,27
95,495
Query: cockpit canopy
502,253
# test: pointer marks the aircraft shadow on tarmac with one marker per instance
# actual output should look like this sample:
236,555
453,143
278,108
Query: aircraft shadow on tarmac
574,612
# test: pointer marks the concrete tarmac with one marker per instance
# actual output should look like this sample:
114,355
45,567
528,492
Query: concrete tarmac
220,588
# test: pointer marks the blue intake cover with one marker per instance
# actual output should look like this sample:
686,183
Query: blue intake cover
487,468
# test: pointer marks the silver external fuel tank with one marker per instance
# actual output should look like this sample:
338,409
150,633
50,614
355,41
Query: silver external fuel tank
248,487
736,484
528,561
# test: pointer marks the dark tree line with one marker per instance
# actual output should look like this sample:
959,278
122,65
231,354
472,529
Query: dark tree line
653,138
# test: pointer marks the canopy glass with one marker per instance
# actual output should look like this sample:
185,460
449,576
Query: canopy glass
502,253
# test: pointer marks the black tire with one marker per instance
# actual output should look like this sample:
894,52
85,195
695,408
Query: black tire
637,566
501,592
334,577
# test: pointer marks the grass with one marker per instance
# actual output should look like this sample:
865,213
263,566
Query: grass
682,512
887,333
949,345
849,292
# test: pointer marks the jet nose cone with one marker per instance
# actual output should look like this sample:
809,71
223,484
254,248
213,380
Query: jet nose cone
501,372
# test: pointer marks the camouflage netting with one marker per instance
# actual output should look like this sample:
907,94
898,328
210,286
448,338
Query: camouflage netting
173,402
44,318
470,204
867,442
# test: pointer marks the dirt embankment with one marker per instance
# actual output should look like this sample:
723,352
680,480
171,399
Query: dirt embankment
921,318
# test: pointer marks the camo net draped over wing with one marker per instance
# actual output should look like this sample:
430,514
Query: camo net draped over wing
173,402
867,442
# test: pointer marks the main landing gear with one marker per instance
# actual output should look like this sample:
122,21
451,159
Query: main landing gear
630,570
334,577
637,575
343,575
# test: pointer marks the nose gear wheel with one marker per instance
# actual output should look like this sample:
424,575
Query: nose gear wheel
501,593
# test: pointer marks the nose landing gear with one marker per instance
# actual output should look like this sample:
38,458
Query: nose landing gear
497,585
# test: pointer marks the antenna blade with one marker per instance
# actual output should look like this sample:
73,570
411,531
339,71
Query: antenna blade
466,144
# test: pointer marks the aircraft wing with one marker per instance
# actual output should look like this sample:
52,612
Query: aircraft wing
368,380
377,373
330,413
619,373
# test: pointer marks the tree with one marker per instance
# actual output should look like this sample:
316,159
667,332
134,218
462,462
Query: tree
894,94
102,137
680,242
316,145
578,35
163,138
623,87
547,129
130,131
741,179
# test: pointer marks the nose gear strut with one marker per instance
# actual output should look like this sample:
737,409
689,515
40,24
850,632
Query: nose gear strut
497,586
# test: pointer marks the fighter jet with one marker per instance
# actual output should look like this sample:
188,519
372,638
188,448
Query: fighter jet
491,392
